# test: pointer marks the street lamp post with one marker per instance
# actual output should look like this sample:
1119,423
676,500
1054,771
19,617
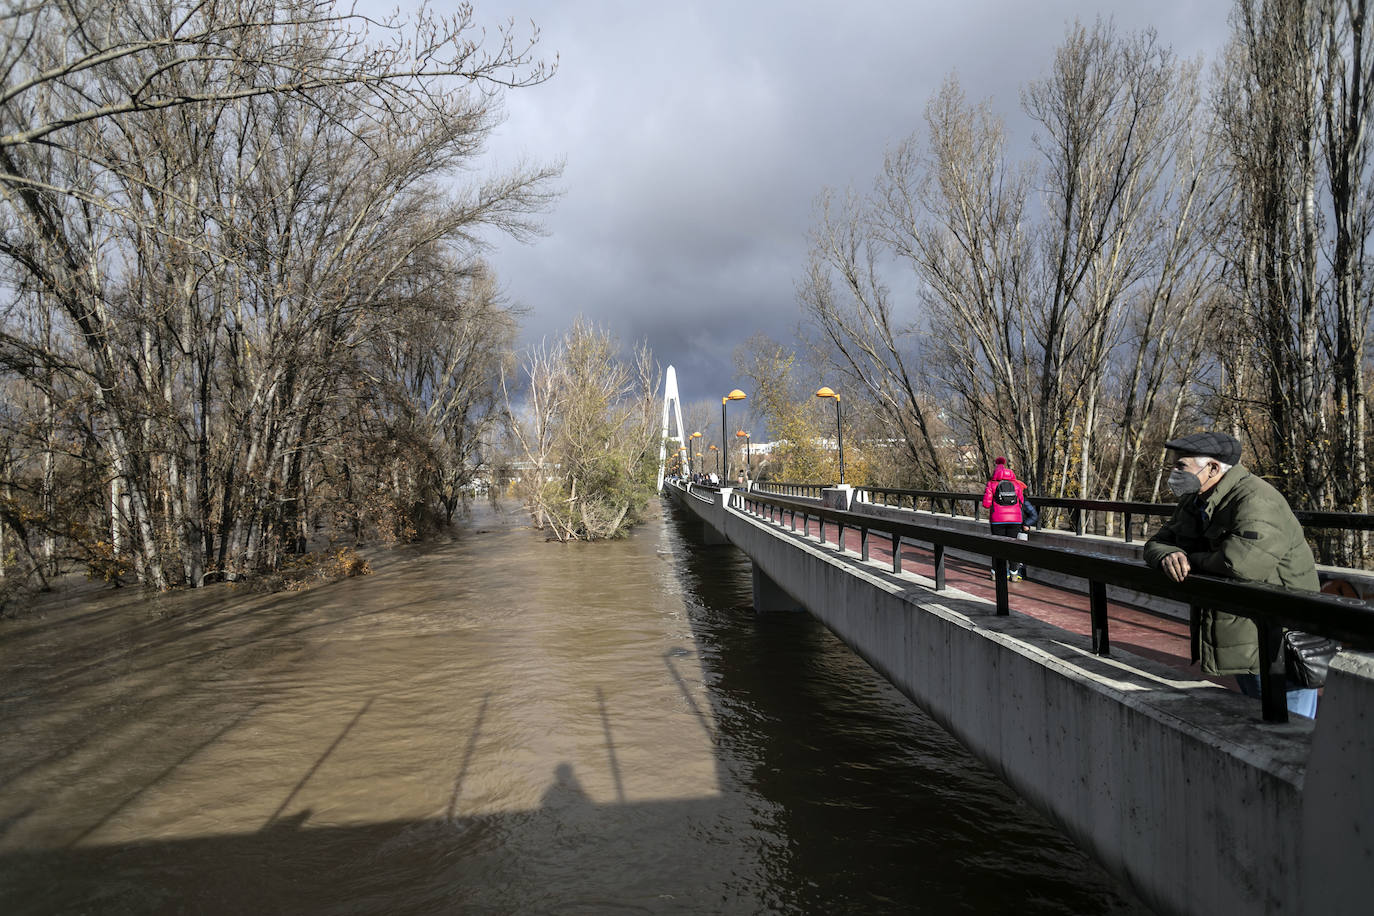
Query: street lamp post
748,458
717,451
735,395
825,392
696,435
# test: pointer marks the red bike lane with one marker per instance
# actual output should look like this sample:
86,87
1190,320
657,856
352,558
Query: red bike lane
1152,636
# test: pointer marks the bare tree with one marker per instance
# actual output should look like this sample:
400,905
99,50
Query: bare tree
222,210
1029,299
1346,71
1293,97
868,344
1268,108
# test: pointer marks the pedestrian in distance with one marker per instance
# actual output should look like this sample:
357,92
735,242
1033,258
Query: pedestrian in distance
1230,523
1004,495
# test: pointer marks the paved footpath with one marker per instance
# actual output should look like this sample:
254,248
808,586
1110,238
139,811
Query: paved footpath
1163,639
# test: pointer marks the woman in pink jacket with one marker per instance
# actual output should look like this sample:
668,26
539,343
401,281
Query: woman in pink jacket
1004,495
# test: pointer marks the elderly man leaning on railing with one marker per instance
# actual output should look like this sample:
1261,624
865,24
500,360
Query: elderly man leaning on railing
1271,608
1231,523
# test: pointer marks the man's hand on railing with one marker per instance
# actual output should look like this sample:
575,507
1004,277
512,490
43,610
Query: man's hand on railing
1176,566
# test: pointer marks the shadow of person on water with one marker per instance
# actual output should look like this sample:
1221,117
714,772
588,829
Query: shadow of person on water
565,792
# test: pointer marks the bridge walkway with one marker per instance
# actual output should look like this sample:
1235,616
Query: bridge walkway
1158,637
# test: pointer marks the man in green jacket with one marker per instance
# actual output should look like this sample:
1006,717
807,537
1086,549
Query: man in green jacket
1231,523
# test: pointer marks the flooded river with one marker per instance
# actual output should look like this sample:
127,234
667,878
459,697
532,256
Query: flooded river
495,725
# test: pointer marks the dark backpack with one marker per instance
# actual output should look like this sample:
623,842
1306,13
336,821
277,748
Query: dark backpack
1004,494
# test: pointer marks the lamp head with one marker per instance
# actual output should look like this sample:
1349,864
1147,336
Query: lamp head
826,392
735,395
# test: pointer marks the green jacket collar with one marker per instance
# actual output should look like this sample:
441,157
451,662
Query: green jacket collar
1229,481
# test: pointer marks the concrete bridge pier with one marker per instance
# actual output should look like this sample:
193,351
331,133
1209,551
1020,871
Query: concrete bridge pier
769,596
710,536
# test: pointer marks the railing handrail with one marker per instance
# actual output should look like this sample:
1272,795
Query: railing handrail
1357,521
1348,620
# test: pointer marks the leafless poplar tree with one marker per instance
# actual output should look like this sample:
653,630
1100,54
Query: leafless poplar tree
1268,108
1059,298
1293,96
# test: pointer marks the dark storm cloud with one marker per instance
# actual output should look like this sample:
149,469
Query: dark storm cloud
697,136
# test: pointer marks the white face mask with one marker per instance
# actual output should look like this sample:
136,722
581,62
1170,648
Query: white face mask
1183,482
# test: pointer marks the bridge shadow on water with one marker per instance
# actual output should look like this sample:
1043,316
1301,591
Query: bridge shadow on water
568,856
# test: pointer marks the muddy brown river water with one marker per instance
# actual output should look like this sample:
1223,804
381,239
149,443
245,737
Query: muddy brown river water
495,724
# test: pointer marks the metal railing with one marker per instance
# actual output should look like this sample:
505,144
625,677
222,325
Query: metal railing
1348,620
947,502
811,490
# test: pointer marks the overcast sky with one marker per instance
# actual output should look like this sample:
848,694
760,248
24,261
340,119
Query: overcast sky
696,137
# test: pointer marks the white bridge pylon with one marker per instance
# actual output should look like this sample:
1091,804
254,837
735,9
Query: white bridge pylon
669,397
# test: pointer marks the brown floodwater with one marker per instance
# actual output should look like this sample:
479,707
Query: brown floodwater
494,724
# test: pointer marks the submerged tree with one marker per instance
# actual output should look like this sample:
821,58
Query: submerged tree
587,434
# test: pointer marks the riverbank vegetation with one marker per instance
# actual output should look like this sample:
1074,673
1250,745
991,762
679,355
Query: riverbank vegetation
245,310
1184,247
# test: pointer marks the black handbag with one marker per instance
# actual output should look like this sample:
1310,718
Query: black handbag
1307,656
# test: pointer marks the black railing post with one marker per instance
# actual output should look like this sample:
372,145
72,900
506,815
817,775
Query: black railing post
939,567
1194,632
863,544
1078,522
1097,604
1273,690
896,553
999,573
1128,528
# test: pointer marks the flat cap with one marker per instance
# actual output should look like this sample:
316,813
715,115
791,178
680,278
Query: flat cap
1221,446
